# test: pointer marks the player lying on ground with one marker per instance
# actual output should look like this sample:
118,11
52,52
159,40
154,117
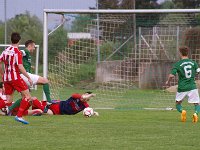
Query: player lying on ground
186,70
75,104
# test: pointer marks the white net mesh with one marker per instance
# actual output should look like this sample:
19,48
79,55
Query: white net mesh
135,58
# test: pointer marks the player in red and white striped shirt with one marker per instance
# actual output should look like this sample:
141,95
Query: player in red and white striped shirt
13,66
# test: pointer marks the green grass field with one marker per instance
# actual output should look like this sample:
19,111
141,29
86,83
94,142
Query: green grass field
114,129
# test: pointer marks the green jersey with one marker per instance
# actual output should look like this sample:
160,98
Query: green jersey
186,70
26,60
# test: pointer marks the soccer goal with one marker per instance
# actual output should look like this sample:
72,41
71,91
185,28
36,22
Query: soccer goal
35,61
124,56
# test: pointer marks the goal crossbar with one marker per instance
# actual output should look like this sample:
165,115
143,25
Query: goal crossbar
119,11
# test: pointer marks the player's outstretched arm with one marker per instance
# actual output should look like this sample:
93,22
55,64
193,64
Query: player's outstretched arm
87,96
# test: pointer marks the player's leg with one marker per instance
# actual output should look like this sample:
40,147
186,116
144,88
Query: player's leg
39,80
2,106
35,112
14,105
193,97
195,115
9,90
37,104
43,81
23,105
179,98
46,89
22,87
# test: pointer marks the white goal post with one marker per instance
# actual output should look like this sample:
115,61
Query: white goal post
36,58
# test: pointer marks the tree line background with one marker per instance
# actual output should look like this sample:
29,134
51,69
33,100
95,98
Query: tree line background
31,27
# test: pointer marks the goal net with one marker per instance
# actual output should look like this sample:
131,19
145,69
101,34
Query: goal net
122,56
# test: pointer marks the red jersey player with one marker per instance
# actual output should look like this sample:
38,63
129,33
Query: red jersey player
73,105
13,66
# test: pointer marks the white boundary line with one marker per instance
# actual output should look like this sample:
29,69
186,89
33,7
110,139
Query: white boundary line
110,108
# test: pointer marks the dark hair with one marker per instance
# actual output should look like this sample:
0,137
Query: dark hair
28,42
184,50
88,92
1,85
15,38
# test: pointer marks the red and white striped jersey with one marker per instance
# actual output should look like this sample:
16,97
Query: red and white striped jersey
11,57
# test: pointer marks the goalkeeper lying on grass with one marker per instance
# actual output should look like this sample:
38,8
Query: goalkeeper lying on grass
75,104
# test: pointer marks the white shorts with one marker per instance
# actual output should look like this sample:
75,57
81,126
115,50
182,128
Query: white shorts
193,96
33,77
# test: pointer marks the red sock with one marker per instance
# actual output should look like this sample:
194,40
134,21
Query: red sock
37,104
23,106
2,104
25,113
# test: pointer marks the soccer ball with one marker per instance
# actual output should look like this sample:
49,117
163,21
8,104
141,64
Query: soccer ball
88,112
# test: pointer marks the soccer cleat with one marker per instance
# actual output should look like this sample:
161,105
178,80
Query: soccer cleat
183,116
20,119
194,118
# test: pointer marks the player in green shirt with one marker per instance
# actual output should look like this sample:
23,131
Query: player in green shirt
27,59
30,47
186,70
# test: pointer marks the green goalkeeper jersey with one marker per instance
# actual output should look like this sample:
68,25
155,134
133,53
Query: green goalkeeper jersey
186,70
26,60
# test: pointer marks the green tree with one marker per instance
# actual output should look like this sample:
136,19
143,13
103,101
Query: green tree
30,27
108,4
186,4
81,22
57,42
167,5
128,4
139,4
2,31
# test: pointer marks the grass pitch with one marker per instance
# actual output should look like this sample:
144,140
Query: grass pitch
122,128
113,129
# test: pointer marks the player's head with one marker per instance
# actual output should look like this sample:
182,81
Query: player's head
184,51
30,45
15,38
